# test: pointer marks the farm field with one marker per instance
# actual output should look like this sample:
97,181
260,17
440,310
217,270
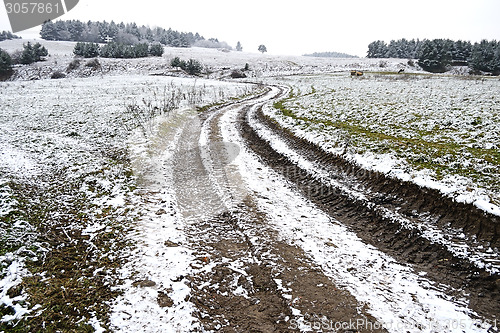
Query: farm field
135,197
438,131
67,185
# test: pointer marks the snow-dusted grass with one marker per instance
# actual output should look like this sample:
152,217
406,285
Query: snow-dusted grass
69,193
438,131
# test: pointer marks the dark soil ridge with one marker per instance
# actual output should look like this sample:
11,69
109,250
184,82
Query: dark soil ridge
409,196
386,234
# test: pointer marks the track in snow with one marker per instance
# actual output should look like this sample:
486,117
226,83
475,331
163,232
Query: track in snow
289,238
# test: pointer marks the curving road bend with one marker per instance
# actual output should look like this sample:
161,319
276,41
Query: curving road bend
288,238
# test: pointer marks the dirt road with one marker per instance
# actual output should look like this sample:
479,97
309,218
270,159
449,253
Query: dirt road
290,238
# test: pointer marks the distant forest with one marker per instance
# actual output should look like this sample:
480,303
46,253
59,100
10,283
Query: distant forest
438,55
123,33
330,55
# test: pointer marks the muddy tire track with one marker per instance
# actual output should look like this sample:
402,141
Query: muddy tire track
246,278
374,227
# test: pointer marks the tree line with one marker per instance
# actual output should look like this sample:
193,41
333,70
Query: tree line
4,35
438,55
329,55
117,50
121,33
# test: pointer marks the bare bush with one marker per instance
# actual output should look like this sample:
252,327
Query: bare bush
58,75
73,65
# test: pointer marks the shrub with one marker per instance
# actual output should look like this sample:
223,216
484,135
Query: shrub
192,66
73,65
94,64
58,75
87,50
156,50
177,62
236,74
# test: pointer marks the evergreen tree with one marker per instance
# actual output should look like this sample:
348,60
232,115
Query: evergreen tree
377,49
193,67
87,50
49,31
140,50
262,48
5,35
436,55
5,62
485,56
238,47
39,52
156,50
461,51
75,29
27,55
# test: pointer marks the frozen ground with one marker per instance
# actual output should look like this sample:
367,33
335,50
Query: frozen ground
66,142
439,132
185,228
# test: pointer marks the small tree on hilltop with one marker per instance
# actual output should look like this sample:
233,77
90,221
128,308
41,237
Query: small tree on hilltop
262,48
239,47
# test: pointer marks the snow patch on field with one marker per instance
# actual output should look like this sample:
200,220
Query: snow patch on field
12,276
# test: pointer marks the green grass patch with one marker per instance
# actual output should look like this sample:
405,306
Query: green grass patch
419,153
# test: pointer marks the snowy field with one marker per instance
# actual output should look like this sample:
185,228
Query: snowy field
218,62
438,131
66,177
83,165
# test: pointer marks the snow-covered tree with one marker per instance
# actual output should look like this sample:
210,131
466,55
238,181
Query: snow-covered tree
436,55
5,62
239,47
377,49
262,48
485,56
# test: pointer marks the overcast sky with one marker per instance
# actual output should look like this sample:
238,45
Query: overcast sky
298,27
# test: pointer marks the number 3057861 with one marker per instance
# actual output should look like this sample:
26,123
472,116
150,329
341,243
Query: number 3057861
32,8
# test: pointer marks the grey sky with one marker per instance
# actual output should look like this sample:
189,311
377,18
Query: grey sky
297,27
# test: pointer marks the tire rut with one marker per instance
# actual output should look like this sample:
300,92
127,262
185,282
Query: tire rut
376,228
246,279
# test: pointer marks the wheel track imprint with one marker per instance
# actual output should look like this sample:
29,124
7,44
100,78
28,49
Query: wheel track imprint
248,279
